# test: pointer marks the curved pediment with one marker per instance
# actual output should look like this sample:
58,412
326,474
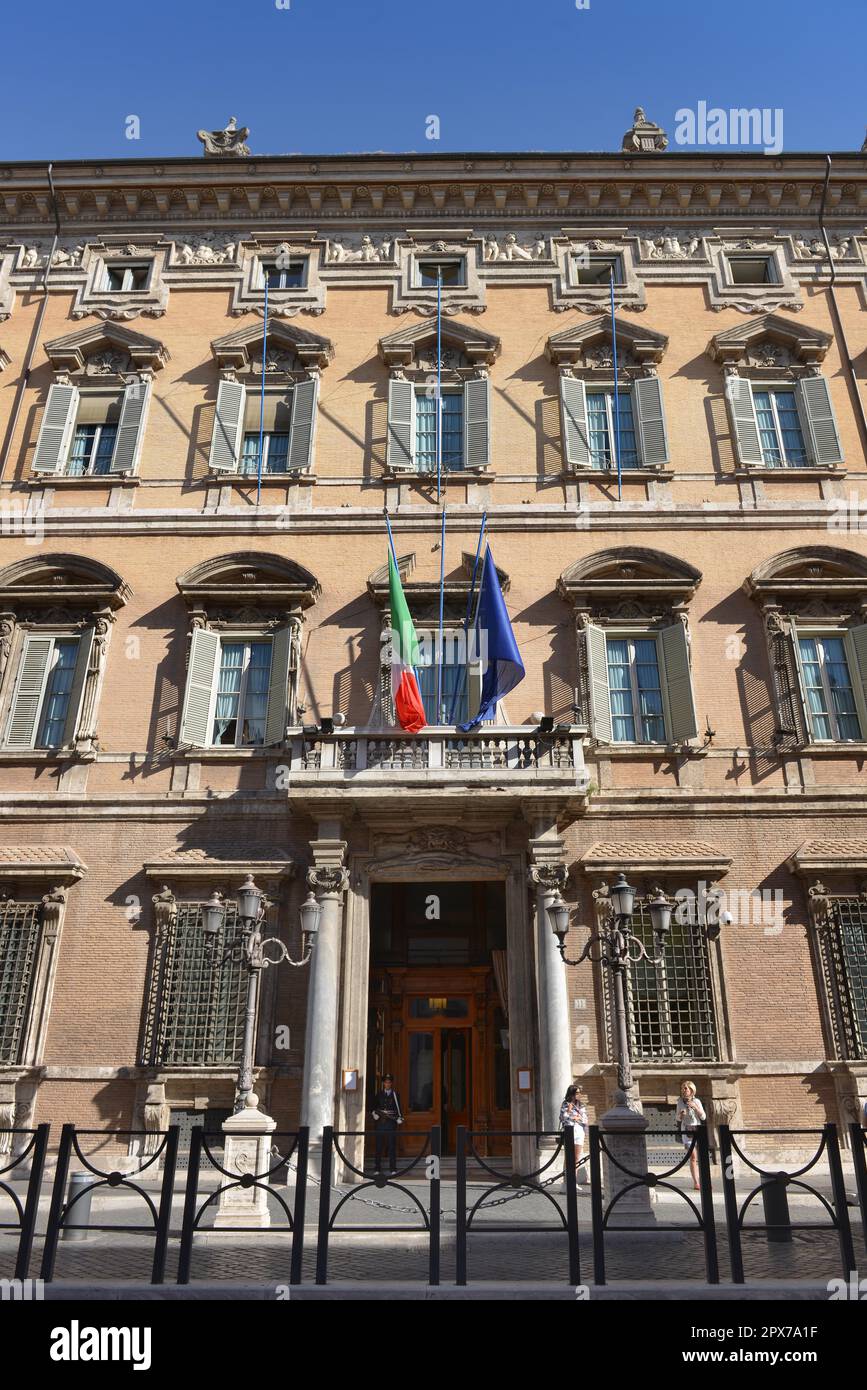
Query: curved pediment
820,571
62,579
629,571
402,348
289,348
106,349
250,578
590,345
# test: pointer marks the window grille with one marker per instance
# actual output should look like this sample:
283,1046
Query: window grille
844,962
197,996
20,933
670,1007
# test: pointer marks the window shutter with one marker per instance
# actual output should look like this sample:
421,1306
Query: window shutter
204,655
76,692
228,422
27,701
130,429
803,703
573,416
56,430
858,648
678,683
786,665
278,685
650,417
597,670
477,423
400,453
745,427
303,425
818,421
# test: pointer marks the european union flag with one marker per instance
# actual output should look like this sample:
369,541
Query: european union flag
504,669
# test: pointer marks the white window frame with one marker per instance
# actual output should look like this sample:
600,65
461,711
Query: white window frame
267,266
421,392
632,636
88,472
266,446
234,638
127,269
817,635
442,260
772,388
608,393
40,635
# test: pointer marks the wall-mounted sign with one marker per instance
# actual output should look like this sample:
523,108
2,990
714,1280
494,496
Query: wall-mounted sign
525,1078
350,1079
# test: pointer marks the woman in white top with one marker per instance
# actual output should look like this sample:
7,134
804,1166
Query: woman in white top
688,1116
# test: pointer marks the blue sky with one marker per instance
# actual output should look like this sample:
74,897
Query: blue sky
331,76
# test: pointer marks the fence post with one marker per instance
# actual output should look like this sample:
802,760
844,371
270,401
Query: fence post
858,1137
436,1146
52,1234
711,1258
31,1206
461,1204
190,1198
300,1213
569,1178
324,1206
731,1204
164,1212
841,1207
596,1207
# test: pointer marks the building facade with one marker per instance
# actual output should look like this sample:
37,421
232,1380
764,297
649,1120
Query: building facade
194,630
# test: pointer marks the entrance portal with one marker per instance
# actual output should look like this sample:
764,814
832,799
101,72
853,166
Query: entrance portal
438,1006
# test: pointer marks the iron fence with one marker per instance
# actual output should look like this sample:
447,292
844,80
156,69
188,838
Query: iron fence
858,1141
26,1212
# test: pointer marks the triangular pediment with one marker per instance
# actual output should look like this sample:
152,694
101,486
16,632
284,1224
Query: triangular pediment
578,345
285,342
399,349
770,340
120,347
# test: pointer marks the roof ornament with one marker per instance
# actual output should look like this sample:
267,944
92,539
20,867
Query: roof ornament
230,141
644,136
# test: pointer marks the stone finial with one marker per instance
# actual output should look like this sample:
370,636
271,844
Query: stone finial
230,141
644,136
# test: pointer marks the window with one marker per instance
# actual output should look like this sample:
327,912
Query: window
452,427
92,433
197,995
601,430
275,452
47,695
20,932
124,277
671,1013
445,272
284,274
287,417
241,695
635,690
92,450
455,689
831,704
752,270
597,270
843,949
779,428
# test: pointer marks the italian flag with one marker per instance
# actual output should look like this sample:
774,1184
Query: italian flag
404,656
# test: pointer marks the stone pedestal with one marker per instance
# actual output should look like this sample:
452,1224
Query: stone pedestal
247,1151
624,1131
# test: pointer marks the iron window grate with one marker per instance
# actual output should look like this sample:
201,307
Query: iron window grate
20,933
844,961
197,996
671,1011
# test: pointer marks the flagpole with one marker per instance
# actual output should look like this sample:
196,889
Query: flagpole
262,397
616,394
439,380
390,539
459,687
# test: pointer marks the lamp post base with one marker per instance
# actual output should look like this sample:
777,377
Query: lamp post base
247,1153
624,1129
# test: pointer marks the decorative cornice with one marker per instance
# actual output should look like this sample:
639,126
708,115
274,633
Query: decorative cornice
400,349
829,857
28,863
249,578
800,343
70,353
236,350
655,857
199,864
572,346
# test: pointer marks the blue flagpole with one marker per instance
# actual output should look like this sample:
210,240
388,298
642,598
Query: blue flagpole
463,674
262,397
439,379
616,395
440,653
390,538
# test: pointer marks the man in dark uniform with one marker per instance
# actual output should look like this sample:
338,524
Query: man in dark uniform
387,1115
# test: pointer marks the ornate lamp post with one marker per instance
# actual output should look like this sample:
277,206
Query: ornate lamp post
615,945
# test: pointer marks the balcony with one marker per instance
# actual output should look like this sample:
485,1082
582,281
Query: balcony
506,762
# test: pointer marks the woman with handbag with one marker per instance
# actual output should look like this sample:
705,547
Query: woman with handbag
574,1112
690,1113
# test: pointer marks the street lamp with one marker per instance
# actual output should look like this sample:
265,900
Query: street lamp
252,950
615,945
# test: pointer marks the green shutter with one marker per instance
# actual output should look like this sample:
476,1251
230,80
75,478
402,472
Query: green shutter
818,421
745,427
278,685
130,429
477,422
303,426
400,454
202,670
650,419
228,424
76,692
858,648
597,671
678,683
56,429
573,416
27,701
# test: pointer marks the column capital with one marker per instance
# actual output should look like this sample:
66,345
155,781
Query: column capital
328,880
550,878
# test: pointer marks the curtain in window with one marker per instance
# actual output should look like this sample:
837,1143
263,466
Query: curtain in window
599,405
624,655
57,693
229,679
840,720
774,451
83,459
453,677
256,700
452,431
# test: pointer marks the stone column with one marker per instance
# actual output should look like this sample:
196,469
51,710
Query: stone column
329,880
547,875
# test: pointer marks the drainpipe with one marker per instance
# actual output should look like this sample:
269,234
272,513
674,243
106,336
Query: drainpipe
34,337
846,355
